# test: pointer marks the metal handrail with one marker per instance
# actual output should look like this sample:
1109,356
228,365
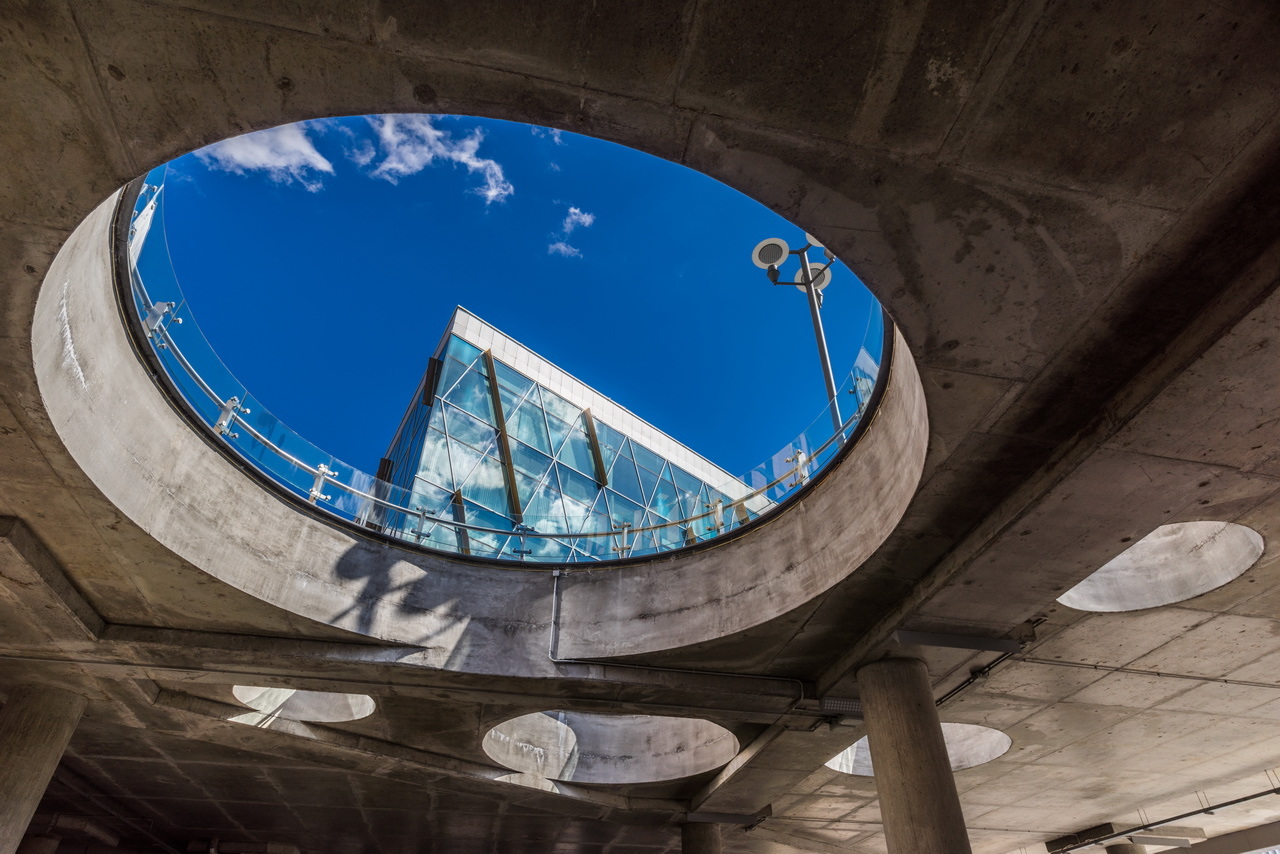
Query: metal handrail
231,415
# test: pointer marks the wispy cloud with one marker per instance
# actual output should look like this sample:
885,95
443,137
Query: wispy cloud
362,153
555,134
574,219
285,153
411,143
562,248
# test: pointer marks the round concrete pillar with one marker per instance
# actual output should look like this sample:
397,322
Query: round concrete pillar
700,838
35,726
1126,848
918,800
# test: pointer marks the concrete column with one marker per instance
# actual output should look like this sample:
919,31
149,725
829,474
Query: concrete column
699,838
918,800
1126,848
35,726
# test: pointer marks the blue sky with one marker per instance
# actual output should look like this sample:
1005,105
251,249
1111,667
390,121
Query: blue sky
322,261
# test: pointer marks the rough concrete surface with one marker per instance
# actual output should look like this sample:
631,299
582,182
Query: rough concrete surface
1069,208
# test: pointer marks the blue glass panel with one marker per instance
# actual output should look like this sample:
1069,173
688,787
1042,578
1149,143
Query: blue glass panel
487,485
469,429
548,549
512,381
472,394
528,425
528,487
430,497
647,458
464,459
434,465
559,430
649,482
668,536
557,406
687,488
623,479
666,502
594,548
437,418
579,487
440,536
610,443
461,350
545,511
449,374
483,542
576,451
622,511
577,514
530,462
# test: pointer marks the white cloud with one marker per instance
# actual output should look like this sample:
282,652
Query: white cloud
285,153
576,217
555,133
411,143
562,248
362,155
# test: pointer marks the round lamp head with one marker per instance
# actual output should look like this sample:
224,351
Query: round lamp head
812,241
821,278
770,252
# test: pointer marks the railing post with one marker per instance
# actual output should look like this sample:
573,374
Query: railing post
323,473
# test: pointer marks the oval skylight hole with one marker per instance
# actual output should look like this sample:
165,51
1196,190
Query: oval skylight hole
968,745
355,240
1171,564
581,747
305,706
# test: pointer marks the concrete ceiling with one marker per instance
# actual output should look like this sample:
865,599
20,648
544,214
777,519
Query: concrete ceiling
1070,209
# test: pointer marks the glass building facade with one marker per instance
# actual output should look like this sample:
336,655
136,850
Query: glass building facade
498,438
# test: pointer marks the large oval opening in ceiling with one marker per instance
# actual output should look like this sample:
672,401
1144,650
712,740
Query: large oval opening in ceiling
596,355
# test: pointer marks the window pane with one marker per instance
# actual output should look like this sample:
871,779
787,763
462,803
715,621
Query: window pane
472,394
532,463
623,479
576,513
471,430
449,374
434,465
483,542
649,481
559,430
529,426
431,498
665,501
622,511
556,405
647,458
577,486
486,485
577,452
546,511
461,350
464,460
512,381
610,443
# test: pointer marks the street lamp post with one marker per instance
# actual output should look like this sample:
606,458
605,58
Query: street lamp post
768,255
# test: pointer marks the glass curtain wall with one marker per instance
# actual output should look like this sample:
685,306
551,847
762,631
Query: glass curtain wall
485,445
